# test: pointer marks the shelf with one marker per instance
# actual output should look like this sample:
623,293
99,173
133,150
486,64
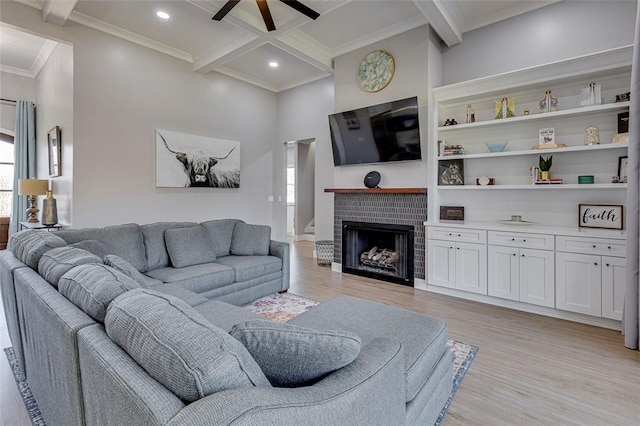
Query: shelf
535,187
538,151
377,190
613,107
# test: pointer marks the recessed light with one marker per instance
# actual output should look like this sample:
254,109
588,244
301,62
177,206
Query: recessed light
163,15
273,64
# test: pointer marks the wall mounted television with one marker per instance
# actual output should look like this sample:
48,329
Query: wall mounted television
381,133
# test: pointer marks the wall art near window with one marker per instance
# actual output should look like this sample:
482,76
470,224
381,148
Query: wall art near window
184,160
55,151
600,216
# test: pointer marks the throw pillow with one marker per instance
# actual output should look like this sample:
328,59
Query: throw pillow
92,246
119,264
30,244
178,347
250,240
56,262
92,287
294,356
189,246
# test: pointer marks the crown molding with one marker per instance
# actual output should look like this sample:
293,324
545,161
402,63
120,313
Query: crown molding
115,31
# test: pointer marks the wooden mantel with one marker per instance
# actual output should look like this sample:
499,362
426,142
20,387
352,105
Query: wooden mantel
377,190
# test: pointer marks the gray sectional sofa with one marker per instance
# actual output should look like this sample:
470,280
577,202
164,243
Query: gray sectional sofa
142,325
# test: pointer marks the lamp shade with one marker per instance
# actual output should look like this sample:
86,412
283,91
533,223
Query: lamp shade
32,186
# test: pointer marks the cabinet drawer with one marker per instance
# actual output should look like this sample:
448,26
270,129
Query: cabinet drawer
519,239
457,234
587,245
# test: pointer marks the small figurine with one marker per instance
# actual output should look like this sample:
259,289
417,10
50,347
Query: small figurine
450,122
505,108
549,103
471,115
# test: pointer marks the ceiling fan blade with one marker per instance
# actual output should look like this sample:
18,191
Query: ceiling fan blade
301,8
266,15
225,9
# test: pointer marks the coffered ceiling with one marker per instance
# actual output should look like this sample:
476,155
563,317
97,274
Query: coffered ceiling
240,45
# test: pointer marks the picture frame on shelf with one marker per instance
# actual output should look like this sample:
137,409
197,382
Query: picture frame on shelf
451,172
600,216
622,168
55,151
452,213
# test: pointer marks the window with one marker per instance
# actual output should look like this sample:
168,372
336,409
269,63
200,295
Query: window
6,174
291,185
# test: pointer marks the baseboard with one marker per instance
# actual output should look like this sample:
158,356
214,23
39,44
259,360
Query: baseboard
526,307
336,267
304,237
420,284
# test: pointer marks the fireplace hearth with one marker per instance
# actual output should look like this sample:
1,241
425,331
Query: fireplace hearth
378,250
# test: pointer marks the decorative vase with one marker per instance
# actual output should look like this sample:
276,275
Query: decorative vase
49,210
545,175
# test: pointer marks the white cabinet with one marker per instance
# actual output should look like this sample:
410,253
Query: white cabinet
592,284
579,278
614,281
454,263
519,273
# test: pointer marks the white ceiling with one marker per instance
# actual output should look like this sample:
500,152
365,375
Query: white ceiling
240,45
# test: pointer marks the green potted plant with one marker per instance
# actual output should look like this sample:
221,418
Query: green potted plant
545,167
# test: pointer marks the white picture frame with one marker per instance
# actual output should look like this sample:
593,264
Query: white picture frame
547,136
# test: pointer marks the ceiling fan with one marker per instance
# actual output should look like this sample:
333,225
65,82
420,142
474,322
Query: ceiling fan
264,11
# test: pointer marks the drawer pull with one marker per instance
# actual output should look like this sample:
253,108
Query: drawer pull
459,235
608,264
595,263
594,246
450,234
513,239
523,255
514,254
524,240
609,247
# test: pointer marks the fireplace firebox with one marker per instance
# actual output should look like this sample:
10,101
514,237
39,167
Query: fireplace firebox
378,250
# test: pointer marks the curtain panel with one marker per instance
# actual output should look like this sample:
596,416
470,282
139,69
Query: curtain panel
25,159
632,295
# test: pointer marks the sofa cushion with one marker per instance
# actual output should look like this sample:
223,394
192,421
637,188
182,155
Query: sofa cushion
220,233
124,240
30,244
176,290
92,287
96,247
294,356
189,246
249,267
250,240
198,278
55,262
154,245
126,268
178,347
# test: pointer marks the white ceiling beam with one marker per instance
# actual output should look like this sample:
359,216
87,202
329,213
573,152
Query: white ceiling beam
57,11
441,20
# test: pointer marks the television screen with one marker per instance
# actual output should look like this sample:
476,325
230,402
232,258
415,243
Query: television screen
376,134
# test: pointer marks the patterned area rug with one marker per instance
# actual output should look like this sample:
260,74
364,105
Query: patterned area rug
283,307
277,307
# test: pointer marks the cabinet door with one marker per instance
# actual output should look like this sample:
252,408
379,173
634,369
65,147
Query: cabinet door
614,281
441,263
537,281
579,283
471,267
503,272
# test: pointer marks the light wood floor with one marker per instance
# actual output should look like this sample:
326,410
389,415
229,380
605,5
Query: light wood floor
530,370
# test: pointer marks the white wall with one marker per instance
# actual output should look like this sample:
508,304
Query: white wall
410,52
559,31
122,92
54,107
303,114
17,88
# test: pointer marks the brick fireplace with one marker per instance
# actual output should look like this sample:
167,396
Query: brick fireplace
393,206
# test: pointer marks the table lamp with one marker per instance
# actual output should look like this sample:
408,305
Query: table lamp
32,187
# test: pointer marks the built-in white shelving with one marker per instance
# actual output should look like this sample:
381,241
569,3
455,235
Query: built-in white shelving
543,187
585,148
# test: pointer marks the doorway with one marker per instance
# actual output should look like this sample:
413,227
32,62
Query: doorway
300,189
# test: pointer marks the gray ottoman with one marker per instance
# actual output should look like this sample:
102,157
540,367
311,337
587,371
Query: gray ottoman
428,362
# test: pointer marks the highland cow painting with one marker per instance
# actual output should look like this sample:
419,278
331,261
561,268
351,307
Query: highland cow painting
186,161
